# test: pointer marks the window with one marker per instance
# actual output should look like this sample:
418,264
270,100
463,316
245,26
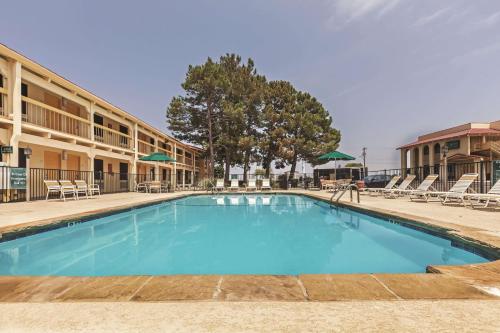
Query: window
1,81
110,168
123,171
98,119
24,92
152,141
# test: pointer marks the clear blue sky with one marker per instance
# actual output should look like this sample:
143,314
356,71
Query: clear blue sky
386,70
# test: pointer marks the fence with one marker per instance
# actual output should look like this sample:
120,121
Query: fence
108,182
448,175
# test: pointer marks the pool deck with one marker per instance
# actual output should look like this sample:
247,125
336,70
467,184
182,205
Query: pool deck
463,288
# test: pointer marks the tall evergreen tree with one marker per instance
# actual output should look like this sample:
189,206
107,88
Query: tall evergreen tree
195,116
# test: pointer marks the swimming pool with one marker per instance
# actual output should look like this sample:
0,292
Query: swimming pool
230,234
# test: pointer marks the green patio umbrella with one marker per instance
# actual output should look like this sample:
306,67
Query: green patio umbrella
157,157
336,156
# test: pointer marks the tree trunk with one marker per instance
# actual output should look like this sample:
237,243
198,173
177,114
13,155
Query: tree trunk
211,168
227,168
246,166
294,166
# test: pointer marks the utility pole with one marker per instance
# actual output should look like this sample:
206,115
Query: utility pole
364,160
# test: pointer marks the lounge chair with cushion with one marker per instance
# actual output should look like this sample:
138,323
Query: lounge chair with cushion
483,200
234,185
141,186
251,185
395,192
390,185
67,188
265,184
219,185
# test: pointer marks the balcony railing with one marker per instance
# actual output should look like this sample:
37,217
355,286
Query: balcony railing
165,151
43,115
179,158
3,103
188,161
146,147
111,137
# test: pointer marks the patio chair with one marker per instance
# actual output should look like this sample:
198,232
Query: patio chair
493,196
423,190
266,185
81,186
395,192
155,186
251,185
52,187
68,188
390,185
219,185
234,185
141,185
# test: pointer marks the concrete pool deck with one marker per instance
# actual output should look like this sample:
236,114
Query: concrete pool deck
464,289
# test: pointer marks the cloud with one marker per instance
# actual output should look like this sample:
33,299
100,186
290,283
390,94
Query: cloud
488,21
424,20
472,55
346,11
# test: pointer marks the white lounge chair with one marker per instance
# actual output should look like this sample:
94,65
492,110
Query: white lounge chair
81,186
251,185
390,185
395,192
52,187
266,185
234,185
483,200
423,190
219,185
68,188
459,189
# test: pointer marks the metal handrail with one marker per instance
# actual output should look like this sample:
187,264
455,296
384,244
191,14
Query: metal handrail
342,190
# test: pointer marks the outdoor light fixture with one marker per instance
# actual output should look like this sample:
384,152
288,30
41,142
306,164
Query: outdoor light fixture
28,152
445,150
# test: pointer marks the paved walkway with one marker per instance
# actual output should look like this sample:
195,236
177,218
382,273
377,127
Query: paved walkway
377,316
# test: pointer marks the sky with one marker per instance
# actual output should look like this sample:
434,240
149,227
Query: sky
386,70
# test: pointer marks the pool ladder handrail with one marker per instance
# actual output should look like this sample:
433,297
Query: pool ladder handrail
342,190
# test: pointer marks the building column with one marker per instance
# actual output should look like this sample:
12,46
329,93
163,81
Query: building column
174,177
421,156
136,148
404,162
92,130
15,109
431,160
183,177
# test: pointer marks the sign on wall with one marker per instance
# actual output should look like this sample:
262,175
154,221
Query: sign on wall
18,178
7,150
455,144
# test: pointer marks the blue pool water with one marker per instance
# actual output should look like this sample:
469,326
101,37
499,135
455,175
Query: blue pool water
239,234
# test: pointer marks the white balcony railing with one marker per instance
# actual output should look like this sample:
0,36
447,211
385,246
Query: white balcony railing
3,103
146,147
111,137
43,115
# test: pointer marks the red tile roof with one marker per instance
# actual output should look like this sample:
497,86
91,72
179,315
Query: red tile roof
469,132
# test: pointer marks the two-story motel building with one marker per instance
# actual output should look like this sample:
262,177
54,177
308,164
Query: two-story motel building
467,144
69,128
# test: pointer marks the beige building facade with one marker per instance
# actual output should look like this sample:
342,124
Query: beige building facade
467,144
69,128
